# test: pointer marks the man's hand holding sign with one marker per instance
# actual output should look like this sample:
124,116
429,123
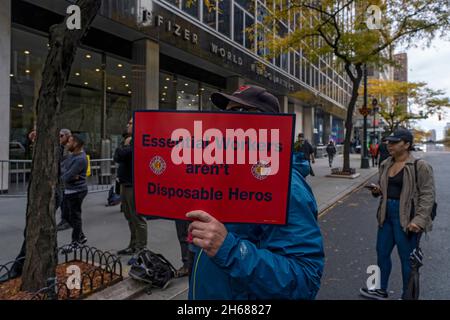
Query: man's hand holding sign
207,232
220,169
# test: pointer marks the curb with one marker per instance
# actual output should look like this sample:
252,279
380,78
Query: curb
124,290
130,289
323,209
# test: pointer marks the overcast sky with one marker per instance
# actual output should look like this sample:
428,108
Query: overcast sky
432,66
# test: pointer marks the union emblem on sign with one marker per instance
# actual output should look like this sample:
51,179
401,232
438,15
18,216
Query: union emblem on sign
157,165
260,171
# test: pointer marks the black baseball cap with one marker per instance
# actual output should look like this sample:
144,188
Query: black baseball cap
401,135
248,95
78,139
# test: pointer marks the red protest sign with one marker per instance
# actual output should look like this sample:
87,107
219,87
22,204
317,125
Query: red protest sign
235,166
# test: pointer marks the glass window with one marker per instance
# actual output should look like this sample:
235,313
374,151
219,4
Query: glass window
117,115
249,32
261,12
278,61
168,91
205,98
28,55
260,40
191,8
292,63
248,5
224,14
297,66
238,25
81,113
174,2
284,61
187,94
81,108
209,15
118,76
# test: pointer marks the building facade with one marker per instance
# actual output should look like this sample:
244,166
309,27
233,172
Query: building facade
149,54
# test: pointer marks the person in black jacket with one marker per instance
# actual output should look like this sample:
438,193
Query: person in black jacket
137,224
383,152
303,145
331,151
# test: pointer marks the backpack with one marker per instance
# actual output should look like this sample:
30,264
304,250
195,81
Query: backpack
434,210
113,198
152,268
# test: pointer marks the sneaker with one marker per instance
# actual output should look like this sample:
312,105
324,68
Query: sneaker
70,248
82,240
377,294
13,274
63,225
127,251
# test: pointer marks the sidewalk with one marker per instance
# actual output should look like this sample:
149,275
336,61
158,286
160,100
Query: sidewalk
330,190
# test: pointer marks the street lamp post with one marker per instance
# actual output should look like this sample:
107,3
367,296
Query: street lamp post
365,111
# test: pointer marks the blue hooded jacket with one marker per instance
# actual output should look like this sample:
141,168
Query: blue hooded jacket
266,261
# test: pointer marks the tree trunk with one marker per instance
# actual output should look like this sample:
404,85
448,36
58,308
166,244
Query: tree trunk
356,81
41,245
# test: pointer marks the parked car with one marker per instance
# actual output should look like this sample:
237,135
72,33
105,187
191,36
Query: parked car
418,147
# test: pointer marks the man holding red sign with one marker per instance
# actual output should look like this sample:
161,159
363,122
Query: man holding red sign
258,261
255,229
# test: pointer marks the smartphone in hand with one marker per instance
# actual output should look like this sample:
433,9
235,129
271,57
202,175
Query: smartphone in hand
375,189
371,186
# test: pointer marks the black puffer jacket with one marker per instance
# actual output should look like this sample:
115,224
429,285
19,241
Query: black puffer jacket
124,157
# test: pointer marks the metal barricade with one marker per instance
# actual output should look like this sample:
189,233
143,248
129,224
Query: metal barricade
15,175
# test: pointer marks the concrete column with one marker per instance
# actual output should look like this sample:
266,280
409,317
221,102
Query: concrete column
145,83
308,122
5,88
234,83
284,104
298,110
327,126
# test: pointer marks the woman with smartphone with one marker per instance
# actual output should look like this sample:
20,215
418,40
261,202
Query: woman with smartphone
405,208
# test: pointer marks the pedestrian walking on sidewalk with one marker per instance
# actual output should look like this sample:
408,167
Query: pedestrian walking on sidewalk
73,176
383,152
248,261
407,190
137,224
373,151
331,151
303,145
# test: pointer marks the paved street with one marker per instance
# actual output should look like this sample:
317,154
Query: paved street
349,232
